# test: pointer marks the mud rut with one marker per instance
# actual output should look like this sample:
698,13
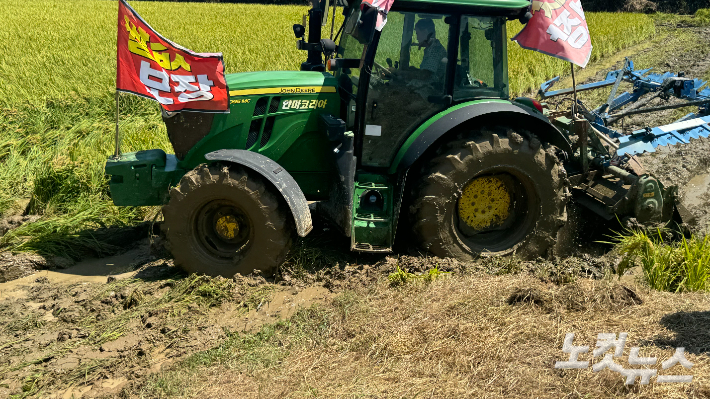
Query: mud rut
95,327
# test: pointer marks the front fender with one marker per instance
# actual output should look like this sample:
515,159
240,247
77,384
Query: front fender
499,111
278,176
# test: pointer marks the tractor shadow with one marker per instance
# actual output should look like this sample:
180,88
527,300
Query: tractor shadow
691,331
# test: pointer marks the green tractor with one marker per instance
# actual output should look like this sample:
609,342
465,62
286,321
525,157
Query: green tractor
412,122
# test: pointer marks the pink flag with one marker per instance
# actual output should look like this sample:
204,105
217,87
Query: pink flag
383,7
558,28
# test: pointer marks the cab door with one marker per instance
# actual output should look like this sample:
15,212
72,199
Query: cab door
408,81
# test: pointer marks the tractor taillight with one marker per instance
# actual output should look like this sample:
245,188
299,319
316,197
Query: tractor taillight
331,64
530,102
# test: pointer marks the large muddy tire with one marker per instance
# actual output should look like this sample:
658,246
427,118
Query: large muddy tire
222,220
489,192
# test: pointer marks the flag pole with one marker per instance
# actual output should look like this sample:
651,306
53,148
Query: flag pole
574,91
117,153
580,126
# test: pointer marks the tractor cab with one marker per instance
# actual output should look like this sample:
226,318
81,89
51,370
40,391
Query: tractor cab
420,64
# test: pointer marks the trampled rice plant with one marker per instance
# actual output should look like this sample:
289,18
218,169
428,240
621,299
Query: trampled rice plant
401,276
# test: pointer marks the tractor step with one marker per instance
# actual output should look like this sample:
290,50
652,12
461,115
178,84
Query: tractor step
373,222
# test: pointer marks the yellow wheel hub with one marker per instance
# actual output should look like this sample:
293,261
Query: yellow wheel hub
227,227
484,203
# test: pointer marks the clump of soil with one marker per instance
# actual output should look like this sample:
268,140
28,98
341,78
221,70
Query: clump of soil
14,222
584,295
578,296
528,295
14,266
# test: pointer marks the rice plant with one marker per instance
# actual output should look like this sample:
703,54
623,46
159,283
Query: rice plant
666,266
609,32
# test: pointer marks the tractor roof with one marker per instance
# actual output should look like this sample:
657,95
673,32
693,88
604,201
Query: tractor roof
488,5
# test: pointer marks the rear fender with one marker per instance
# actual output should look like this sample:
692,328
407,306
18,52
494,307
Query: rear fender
477,113
278,176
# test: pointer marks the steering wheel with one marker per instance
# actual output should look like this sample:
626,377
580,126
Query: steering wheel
380,76
382,72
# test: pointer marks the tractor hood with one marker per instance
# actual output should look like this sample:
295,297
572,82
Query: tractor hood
278,82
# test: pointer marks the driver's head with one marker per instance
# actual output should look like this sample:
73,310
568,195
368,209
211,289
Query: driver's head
425,30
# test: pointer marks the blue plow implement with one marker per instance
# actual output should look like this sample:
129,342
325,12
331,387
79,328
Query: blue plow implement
646,87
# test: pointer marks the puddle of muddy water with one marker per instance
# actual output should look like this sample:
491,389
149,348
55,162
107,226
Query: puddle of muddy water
92,270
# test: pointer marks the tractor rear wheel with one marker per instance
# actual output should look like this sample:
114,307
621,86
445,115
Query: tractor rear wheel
222,220
490,192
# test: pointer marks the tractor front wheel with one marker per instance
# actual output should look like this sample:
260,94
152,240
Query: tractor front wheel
490,192
222,220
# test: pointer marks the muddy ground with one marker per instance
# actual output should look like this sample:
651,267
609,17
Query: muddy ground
102,327
103,322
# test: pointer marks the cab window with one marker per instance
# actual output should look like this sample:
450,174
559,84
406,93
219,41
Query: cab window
481,70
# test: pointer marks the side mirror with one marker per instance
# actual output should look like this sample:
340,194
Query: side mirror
299,30
526,18
365,28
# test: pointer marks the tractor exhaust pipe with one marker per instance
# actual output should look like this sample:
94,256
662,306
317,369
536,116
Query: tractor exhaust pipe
314,62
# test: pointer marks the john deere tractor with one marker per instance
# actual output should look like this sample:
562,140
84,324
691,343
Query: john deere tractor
411,122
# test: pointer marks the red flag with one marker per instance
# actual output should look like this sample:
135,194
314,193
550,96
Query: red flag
152,66
558,28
